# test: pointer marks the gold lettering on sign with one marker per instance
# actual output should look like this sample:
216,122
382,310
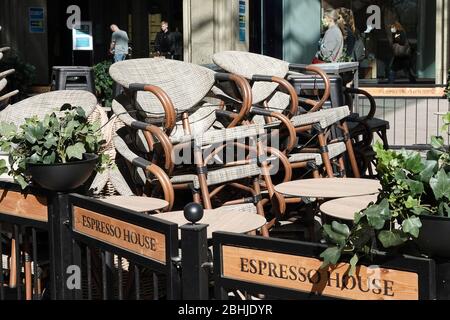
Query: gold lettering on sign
406,92
26,206
135,239
303,274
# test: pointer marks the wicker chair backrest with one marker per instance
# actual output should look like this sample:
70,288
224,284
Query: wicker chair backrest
46,103
186,84
248,64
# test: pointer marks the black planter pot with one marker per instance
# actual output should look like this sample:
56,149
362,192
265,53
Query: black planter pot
63,176
434,237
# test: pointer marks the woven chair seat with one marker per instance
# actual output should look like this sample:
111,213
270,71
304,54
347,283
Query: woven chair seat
218,136
220,176
43,104
325,118
169,75
335,150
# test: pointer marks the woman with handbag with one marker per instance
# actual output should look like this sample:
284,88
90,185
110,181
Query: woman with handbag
402,59
332,43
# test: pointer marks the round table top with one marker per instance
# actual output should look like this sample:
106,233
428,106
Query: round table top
220,220
138,204
345,208
329,188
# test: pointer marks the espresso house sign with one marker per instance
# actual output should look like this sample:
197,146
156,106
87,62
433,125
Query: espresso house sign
135,239
303,274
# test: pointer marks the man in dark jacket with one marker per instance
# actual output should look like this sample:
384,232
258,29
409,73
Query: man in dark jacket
163,41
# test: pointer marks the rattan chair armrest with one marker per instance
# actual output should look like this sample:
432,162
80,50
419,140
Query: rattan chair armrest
164,99
8,95
246,95
149,130
147,166
283,83
313,69
292,140
6,73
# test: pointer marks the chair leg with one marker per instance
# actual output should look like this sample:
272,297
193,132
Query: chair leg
28,274
13,265
196,197
201,174
325,155
342,167
350,151
259,207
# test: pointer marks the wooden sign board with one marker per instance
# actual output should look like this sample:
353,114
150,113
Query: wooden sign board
132,238
25,206
303,274
406,92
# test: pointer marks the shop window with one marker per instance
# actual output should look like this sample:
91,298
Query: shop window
380,64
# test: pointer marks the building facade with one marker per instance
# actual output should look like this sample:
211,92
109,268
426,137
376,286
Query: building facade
287,29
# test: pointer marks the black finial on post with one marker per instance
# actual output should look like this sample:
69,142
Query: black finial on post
193,212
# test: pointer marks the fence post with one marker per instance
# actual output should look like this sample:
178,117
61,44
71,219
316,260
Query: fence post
194,246
63,250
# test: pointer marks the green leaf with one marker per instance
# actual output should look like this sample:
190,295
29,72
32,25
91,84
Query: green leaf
392,238
7,129
418,210
21,181
35,158
49,159
335,236
353,262
377,215
431,167
446,117
437,142
412,226
3,167
413,162
50,141
412,203
440,184
342,229
416,187
330,256
358,217
81,112
37,131
76,151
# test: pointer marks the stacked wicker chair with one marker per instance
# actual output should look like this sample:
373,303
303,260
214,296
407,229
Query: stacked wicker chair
273,95
5,96
169,109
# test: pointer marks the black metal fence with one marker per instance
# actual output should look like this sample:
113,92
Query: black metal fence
23,229
60,246
413,120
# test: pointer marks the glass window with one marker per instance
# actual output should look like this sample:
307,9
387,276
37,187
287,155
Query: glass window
387,58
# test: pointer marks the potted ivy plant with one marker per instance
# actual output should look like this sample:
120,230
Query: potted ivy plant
104,83
59,152
413,207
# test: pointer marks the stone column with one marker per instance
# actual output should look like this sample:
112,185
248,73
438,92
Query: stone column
212,26
442,40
